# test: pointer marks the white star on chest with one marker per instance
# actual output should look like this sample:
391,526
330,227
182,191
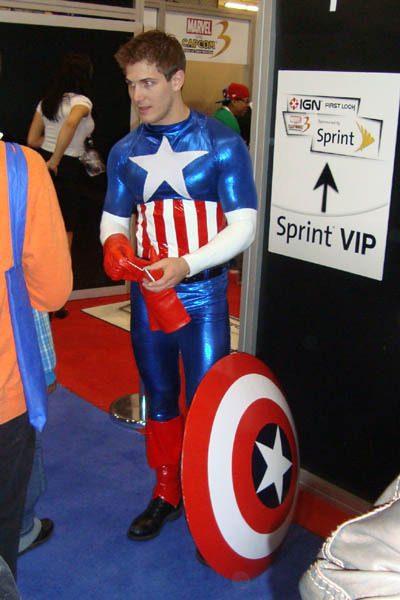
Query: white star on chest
277,465
166,165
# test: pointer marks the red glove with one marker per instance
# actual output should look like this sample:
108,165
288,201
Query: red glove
116,250
164,309
120,260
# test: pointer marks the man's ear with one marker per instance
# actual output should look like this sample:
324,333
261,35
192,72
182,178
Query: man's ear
178,79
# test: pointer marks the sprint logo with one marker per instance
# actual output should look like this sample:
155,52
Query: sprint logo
347,137
367,138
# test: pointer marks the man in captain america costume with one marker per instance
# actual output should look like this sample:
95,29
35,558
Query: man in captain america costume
189,179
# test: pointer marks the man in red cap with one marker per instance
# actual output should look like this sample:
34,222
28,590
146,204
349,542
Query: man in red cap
235,104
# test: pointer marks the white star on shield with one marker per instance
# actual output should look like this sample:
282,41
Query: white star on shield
277,465
166,165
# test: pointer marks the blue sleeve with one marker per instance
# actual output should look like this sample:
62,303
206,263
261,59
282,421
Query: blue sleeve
236,188
119,198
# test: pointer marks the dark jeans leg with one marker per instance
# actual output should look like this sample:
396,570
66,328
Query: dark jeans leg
17,443
36,487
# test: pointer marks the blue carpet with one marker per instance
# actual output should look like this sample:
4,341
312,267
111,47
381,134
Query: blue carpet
97,482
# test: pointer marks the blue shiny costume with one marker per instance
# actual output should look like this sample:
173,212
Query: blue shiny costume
221,173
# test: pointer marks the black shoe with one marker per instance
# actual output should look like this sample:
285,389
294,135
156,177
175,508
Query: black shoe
42,537
149,524
201,558
61,313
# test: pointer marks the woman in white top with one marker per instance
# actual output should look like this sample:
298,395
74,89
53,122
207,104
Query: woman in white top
60,126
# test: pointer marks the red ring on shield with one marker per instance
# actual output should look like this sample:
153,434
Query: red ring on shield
235,532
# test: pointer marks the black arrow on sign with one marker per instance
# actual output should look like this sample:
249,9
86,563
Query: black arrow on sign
325,179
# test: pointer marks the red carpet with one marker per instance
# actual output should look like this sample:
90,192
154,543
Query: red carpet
94,359
317,515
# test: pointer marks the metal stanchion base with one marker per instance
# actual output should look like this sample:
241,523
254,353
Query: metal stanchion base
127,411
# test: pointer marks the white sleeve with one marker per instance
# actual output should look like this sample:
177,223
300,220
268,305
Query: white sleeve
78,99
231,241
111,224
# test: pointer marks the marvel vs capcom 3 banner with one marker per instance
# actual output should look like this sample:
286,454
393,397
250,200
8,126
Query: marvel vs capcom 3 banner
209,38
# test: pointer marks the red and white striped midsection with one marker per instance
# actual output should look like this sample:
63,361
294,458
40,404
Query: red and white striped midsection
175,227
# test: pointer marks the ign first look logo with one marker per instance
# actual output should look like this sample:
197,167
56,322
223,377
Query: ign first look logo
334,125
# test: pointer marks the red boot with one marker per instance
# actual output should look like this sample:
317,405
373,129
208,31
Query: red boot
164,445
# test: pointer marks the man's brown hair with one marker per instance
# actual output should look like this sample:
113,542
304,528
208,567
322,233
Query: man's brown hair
156,48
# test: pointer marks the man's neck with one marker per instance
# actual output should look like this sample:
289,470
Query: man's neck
179,113
182,113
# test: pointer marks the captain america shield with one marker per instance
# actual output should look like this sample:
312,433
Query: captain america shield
240,466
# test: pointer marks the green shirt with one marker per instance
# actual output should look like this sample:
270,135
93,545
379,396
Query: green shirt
226,117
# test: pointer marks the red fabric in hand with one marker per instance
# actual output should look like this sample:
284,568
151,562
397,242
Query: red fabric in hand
165,311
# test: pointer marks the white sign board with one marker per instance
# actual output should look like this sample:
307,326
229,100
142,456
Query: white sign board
210,39
335,139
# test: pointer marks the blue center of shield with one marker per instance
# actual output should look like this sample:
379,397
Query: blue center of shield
271,465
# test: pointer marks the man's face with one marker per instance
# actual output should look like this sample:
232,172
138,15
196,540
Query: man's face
155,98
239,107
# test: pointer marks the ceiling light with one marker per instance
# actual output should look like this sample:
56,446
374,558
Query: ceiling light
241,6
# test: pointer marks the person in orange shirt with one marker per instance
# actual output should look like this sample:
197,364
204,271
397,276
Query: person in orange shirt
46,266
